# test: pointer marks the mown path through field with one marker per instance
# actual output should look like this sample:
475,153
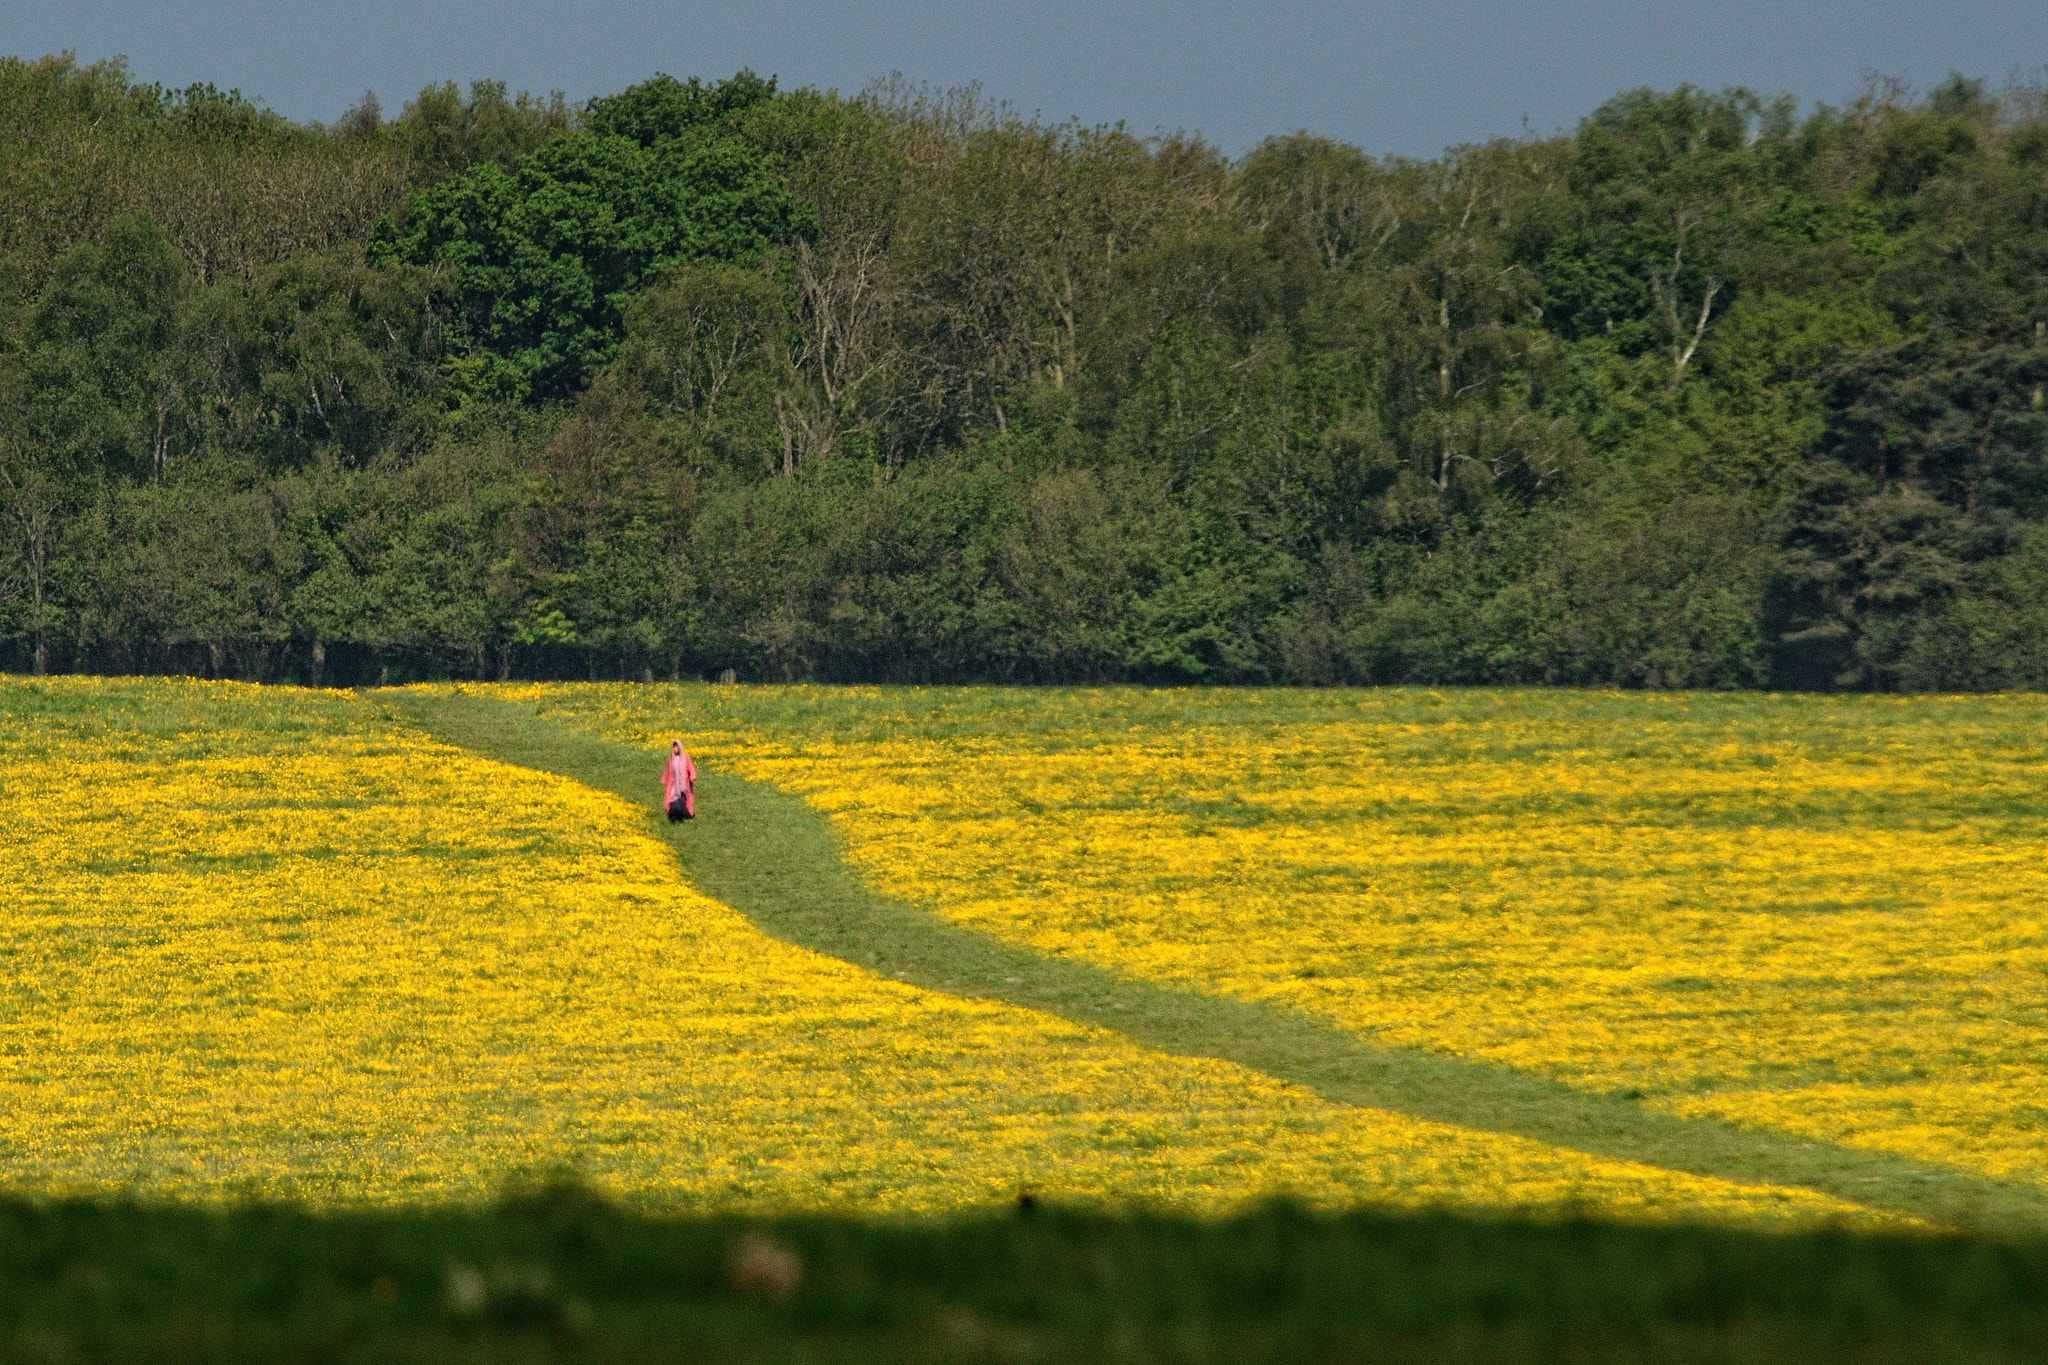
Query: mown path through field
765,853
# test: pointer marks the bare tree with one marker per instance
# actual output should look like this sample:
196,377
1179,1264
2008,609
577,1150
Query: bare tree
1683,328
690,337
844,350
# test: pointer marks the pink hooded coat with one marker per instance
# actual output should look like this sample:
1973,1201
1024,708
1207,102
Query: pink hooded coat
679,784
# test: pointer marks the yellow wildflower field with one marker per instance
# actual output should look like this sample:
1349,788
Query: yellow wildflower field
271,942
1818,916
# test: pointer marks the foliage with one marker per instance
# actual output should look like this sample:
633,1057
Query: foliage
904,386
544,255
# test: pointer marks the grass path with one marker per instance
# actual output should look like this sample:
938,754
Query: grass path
765,853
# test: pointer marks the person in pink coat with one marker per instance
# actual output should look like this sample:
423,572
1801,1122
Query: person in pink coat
679,784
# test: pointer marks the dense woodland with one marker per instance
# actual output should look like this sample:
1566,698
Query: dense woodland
1711,393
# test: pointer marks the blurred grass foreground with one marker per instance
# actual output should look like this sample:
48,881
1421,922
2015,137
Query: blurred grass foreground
556,1274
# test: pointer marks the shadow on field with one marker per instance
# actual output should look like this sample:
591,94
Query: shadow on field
557,1275
765,853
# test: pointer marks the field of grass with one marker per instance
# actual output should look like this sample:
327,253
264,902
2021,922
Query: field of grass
275,942
1755,964
1819,917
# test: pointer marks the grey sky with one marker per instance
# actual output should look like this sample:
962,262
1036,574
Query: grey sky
1403,78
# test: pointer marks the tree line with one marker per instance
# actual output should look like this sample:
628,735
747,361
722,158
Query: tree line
707,376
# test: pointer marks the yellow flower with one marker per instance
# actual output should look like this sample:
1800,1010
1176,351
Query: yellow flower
265,941
1816,915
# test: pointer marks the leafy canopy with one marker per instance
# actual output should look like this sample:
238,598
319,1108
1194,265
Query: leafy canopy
546,255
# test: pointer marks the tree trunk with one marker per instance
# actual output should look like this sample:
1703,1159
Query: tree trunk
42,624
37,521
788,444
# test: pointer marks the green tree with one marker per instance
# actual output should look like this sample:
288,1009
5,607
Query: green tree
704,350
1935,461
545,256
443,134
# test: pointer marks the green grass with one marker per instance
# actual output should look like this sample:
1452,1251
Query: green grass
766,854
559,1276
